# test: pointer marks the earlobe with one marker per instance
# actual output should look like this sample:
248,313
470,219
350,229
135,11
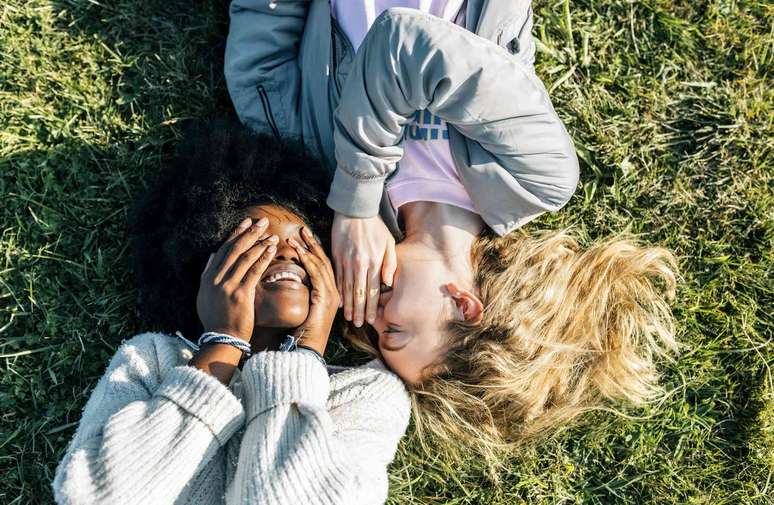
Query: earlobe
469,306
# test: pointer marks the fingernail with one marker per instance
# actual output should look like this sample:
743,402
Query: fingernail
262,222
273,239
370,319
245,223
306,232
272,248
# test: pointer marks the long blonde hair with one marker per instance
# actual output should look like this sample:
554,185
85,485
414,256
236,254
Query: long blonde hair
565,329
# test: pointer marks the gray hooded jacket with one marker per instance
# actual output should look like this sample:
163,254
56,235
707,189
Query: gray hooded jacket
288,65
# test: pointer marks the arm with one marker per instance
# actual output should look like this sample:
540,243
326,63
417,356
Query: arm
411,61
146,431
295,451
261,65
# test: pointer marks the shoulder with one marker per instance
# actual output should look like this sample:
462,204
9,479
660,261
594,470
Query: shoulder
149,355
153,344
371,384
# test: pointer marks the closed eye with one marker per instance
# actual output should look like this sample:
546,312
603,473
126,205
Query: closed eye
394,339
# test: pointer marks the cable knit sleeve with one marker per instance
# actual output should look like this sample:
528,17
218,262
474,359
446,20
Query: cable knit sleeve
149,426
294,450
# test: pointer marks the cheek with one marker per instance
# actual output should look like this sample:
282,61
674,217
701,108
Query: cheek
404,365
281,309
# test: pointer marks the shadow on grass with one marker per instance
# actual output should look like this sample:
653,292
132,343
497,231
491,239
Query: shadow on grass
73,295
172,50
68,292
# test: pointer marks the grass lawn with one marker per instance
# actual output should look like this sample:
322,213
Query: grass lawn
670,104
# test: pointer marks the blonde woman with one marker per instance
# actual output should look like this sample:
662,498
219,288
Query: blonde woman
445,142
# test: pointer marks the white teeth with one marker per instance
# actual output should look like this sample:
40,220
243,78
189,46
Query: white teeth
281,276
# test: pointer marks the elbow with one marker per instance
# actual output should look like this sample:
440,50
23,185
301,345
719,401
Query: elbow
569,175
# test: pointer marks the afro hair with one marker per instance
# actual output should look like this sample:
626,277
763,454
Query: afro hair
220,169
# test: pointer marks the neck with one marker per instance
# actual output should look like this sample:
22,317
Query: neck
446,231
267,338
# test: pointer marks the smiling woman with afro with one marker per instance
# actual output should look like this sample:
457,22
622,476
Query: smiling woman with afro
234,418
220,170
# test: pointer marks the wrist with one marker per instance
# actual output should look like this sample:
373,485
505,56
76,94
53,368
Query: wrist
315,345
231,332
212,337
308,338
218,360
355,197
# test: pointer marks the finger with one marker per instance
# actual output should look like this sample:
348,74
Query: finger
226,245
324,280
256,270
359,297
315,246
248,259
245,241
315,269
349,280
312,243
313,265
372,295
209,262
390,264
340,285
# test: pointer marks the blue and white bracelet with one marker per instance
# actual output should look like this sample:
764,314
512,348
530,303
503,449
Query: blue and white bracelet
211,337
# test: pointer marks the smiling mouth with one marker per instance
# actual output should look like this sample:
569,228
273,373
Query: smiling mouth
283,274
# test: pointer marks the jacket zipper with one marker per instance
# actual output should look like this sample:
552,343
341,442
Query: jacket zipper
267,110
334,57
338,35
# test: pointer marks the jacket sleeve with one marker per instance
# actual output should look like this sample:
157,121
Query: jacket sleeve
411,61
145,432
295,451
261,63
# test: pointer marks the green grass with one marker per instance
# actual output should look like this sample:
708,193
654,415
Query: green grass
670,104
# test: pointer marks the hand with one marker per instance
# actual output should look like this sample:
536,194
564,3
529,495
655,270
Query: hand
226,299
324,298
364,252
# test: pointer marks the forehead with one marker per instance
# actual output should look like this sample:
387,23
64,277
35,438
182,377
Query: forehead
275,214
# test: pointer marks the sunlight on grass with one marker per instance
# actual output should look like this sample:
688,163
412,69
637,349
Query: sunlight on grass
670,105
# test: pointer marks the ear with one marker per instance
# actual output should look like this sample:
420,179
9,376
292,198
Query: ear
469,306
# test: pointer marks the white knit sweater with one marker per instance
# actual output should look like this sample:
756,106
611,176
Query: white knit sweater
286,430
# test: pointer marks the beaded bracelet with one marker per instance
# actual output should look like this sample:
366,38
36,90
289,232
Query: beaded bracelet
211,337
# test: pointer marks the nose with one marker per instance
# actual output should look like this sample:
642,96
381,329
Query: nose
286,252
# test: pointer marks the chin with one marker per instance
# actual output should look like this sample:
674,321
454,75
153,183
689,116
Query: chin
286,319
278,313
